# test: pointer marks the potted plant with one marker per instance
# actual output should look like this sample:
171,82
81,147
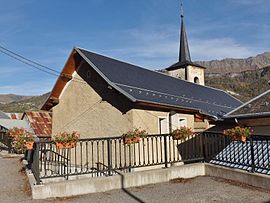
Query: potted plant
238,133
133,136
28,141
182,133
66,140
21,139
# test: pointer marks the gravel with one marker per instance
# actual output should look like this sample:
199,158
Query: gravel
14,188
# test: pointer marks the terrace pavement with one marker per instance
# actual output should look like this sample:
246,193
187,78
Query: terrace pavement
14,188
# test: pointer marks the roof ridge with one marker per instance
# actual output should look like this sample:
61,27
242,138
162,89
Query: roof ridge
187,98
248,102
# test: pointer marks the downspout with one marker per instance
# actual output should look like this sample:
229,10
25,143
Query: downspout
170,122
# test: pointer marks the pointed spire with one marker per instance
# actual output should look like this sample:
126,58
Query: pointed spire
184,54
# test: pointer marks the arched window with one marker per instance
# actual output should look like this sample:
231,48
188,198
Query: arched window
196,80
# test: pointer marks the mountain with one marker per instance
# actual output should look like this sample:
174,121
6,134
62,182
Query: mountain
244,85
226,66
8,98
242,78
25,103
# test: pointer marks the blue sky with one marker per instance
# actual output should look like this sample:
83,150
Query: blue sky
142,32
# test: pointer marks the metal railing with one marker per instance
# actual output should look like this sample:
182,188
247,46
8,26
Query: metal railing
5,142
103,156
252,155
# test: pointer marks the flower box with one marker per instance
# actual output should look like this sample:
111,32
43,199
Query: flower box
66,140
67,145
133,136
131,140
22,139
29,145
238,133
239,138
181,133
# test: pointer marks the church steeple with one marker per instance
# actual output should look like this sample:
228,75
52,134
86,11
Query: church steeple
185,69
184,55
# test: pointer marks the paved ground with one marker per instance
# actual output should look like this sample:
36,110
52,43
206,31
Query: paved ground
201,189
14,188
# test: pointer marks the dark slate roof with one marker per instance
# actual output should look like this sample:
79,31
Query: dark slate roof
3,115
237,155
259,106
140,84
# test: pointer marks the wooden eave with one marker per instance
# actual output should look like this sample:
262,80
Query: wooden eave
255,121
166,108
183,110
63,79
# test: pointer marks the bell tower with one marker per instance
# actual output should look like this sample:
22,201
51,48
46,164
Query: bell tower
185,69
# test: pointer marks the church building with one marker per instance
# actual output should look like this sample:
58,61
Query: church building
99,96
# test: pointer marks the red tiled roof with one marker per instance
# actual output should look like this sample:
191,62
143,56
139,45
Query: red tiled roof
40,122
14,116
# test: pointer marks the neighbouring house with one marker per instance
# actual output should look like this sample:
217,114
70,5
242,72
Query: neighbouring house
6,124
254,113
40,122
100,96
3,115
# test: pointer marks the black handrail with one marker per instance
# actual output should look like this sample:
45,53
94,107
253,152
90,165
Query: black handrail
6,140
153,150
91,155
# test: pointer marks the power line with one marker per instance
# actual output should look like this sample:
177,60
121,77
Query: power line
74,120
26,59
34,64
27,63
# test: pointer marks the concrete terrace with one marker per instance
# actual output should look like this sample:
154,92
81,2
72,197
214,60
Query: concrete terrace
14,188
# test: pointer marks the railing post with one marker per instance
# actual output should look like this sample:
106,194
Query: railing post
35,165
4,137
109,146
9,143
165,150
204,146
252,155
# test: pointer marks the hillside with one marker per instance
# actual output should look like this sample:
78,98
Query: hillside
236,65
244,86
242,78
24,104
8,98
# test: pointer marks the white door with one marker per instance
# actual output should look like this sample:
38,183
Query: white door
163,125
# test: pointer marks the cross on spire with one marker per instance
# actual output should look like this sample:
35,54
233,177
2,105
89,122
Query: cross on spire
181,9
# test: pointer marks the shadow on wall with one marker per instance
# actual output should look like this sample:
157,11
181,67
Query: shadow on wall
128,192
123,185
107,93
203,146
